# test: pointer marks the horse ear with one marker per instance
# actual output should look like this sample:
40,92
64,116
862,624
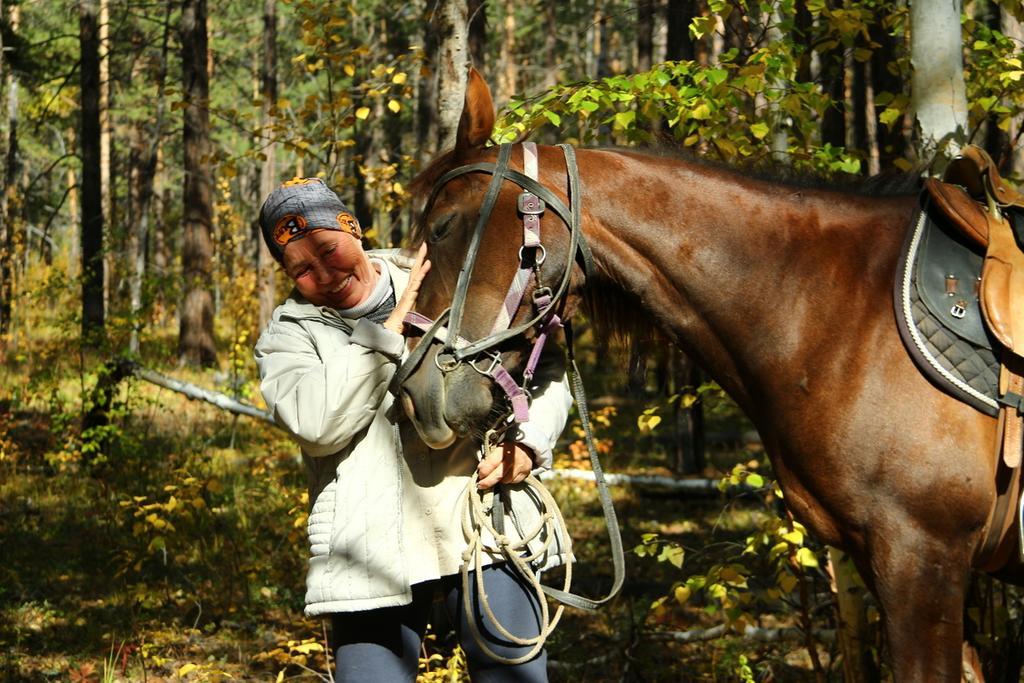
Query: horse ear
477,120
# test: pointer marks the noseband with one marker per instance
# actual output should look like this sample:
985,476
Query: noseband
482,355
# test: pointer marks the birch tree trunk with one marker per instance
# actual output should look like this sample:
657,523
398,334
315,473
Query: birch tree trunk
7,247
452,68
195,331
268,169
938,94
92,191
106,191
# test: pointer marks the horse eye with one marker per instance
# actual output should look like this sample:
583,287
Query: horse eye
441,228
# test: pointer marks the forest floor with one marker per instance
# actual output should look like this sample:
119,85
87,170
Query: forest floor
170,545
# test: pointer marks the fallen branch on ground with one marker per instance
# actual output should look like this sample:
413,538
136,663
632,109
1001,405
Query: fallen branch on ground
222,401
761,635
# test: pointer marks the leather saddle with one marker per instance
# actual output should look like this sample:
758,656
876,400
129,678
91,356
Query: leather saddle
989,214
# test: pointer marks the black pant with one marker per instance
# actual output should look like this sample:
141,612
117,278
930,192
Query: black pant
384,644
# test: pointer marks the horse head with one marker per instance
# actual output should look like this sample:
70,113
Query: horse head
481,333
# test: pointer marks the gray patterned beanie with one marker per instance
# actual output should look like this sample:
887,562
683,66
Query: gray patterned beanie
297,208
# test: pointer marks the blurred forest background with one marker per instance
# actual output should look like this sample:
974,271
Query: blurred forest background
144,536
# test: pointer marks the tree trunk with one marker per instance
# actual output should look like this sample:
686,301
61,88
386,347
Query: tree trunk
426,86
937,86
7,194
833,78
477,33
265,264
678,15
106,191
891,142
644,34
854,630
508,76
551,56
142,164
1013,28
92,191
195,332
452,68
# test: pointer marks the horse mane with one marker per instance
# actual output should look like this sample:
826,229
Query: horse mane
889,183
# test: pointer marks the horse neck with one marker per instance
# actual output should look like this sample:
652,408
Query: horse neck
735,270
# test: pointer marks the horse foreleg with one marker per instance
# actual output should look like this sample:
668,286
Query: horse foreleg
921,582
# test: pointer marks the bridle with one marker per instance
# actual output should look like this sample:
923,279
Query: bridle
482,355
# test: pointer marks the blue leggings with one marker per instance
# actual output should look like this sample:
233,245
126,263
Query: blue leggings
384,644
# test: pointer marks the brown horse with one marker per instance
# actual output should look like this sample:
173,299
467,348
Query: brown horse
783,294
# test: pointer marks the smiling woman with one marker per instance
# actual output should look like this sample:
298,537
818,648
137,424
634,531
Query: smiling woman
385,525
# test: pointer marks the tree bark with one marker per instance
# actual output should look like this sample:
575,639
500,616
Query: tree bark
644,34
452,68
1013,28
144,151
195,332
551,56
426,95
478,33
7,194
508,76
937,86
678,15
265,263
92,191
891,142
106,191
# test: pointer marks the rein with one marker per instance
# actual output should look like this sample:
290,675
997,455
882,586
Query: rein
532,203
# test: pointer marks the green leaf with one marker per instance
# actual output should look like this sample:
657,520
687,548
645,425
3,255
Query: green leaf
673,554
717,76
760,130
625,119
890,116
554,118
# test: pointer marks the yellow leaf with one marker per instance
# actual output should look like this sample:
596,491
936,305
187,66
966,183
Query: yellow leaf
280,676
787,582
682,594
806,558
395,106
349,69
187,669
794,537
399,78
362,113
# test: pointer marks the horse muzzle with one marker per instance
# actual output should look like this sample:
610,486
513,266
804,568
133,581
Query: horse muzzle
444,405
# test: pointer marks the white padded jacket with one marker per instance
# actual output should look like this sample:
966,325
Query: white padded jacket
385,510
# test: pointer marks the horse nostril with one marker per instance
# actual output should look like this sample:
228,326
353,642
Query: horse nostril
410,407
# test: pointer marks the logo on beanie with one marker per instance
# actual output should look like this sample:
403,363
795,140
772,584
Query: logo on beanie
300,181
348,223
289,227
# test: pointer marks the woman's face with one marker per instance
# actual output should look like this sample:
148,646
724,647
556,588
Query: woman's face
330,268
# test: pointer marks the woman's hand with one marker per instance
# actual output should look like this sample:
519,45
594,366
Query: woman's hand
396,321
506,463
